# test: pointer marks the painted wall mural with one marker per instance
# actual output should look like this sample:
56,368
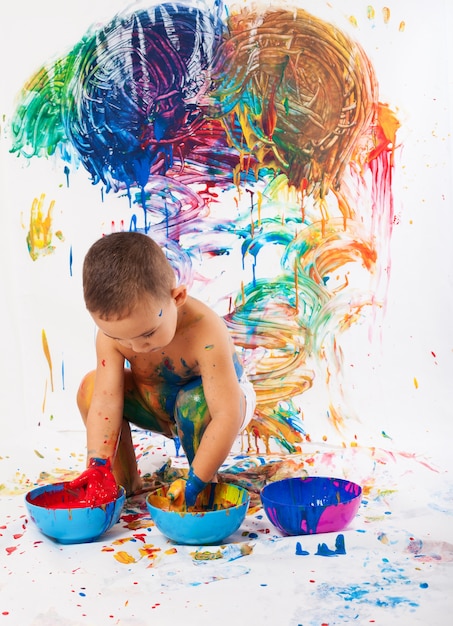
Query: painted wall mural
254,131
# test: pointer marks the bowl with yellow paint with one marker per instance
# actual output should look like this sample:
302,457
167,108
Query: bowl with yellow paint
311,505
57,512
219,511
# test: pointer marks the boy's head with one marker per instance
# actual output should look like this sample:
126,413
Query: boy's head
120,270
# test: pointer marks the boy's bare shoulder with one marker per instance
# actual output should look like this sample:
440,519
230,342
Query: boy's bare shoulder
197,321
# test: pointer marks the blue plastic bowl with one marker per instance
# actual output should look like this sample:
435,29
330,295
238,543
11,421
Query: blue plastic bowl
306,506
220,510
72,524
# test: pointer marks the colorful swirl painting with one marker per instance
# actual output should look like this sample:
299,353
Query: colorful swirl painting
177,104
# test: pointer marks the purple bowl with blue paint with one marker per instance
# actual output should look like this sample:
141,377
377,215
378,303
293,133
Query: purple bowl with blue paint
70,522
312,505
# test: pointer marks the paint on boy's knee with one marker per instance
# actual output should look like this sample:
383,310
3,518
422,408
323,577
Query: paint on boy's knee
191,417
146,416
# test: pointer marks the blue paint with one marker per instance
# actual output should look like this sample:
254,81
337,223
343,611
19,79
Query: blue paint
70,261
302,506
340,547
424,585
177,442
299,550
324,550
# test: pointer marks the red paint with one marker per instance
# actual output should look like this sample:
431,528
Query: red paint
70,497
103,362
11,549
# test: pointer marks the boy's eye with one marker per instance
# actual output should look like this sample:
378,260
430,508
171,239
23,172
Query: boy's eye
148,335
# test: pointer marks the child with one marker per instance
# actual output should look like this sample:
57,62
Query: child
183,378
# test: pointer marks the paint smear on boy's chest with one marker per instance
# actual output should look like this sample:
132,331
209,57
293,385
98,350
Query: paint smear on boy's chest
163,371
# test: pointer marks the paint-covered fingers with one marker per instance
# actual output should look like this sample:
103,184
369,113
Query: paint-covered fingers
176,493
183,492
194,486
96,485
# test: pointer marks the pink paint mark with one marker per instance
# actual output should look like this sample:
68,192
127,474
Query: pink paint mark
11,549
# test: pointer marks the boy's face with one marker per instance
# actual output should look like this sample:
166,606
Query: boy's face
149,327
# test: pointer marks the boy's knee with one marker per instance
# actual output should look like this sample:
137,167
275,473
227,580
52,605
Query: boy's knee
190,401
85,393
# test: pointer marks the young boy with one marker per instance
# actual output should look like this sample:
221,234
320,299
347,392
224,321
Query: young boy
183,376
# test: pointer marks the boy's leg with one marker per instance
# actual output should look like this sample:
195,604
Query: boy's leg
125,464
191,416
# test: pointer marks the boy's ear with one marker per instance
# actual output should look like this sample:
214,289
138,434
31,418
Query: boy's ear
179,294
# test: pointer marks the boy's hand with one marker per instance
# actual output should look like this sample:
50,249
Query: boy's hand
182,490
97,482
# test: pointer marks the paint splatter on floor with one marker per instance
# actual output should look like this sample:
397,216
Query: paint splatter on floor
388,560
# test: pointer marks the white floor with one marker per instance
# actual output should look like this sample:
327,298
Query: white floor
397,568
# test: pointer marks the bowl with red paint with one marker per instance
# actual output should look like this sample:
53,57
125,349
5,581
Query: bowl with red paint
57,512
219,511
311,505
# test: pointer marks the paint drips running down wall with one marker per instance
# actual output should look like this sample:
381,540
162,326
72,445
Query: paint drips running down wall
178,104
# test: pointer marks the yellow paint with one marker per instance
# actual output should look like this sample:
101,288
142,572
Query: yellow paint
43,407
388,122
150,551
386,14
206,555
39,238
402,26
353,21
370,12
259,204
119,542
45,347
415,383
124,557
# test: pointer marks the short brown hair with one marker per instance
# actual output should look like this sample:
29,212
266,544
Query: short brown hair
119,269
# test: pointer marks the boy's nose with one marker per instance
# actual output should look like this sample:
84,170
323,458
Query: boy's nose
141,345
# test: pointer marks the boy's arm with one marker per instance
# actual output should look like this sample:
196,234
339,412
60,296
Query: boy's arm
224,398
97,484
105,415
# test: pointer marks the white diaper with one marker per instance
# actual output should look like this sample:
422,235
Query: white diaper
250,400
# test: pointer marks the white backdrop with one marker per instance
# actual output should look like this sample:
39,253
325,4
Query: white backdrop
398,383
